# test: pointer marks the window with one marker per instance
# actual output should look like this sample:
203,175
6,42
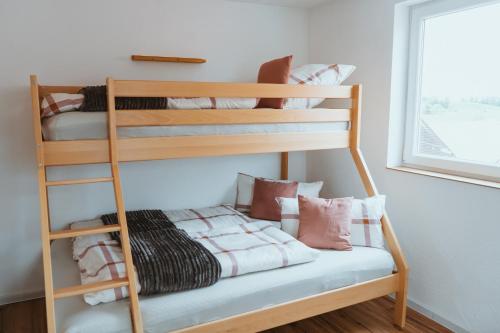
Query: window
453,98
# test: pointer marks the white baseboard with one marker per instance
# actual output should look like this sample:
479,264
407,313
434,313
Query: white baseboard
22,296
437,318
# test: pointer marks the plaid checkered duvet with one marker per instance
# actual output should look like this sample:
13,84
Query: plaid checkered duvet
253,247
99,258
240,244
205,219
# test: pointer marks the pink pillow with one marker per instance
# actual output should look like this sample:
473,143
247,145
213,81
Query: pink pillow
325,223
274,71
265,192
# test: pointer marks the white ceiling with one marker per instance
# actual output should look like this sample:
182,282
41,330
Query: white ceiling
287,3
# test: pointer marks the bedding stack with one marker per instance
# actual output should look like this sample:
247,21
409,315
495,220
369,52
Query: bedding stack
274,224
94,99
175,250
345,222
277,71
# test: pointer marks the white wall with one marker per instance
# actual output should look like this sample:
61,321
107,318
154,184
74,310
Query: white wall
449,230
83,42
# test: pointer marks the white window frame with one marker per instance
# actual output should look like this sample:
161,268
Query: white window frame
418,14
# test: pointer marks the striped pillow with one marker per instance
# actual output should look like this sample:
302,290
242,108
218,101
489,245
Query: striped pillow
53,104
366,228
315,75
289,215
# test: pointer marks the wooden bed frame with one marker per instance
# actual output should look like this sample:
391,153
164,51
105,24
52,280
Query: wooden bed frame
115,150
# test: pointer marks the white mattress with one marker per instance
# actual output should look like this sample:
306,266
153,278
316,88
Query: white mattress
333,269
93,125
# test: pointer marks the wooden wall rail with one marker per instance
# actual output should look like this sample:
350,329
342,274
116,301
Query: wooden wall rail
137,57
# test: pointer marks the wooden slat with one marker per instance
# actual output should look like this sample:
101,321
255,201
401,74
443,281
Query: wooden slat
136,57
78,181
70,233
226,89
284,313
76,152
220,117
221,145
157,148
89,288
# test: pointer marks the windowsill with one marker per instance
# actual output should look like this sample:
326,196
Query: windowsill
474,181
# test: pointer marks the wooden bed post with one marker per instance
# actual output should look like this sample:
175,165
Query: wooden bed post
284,166
44,206
369,185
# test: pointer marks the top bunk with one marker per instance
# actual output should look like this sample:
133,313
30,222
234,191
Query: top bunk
197,132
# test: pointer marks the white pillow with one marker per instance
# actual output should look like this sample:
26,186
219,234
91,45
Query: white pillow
211,103
315,75
366,228
244,191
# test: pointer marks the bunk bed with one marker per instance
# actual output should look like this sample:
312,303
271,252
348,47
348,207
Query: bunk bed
338,129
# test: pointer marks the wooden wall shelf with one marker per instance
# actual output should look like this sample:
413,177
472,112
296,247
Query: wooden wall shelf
136,57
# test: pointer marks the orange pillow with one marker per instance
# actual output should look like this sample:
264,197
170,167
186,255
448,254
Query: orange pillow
274,71
325,223
264,204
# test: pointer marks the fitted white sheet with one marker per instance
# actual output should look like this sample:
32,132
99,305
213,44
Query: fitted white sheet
333,269
93,125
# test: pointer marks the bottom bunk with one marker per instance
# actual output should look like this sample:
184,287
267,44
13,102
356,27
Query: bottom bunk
229,297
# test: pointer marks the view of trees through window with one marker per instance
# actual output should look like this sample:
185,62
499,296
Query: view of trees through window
459,114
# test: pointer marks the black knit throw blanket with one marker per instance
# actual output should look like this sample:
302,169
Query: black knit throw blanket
165,257
95,99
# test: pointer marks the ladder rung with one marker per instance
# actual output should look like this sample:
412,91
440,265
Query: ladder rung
79,181
70,233
89,288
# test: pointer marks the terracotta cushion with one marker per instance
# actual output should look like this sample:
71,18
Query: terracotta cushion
274,71
265,192
325,223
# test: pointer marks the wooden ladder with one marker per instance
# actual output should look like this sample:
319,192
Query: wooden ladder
47,235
